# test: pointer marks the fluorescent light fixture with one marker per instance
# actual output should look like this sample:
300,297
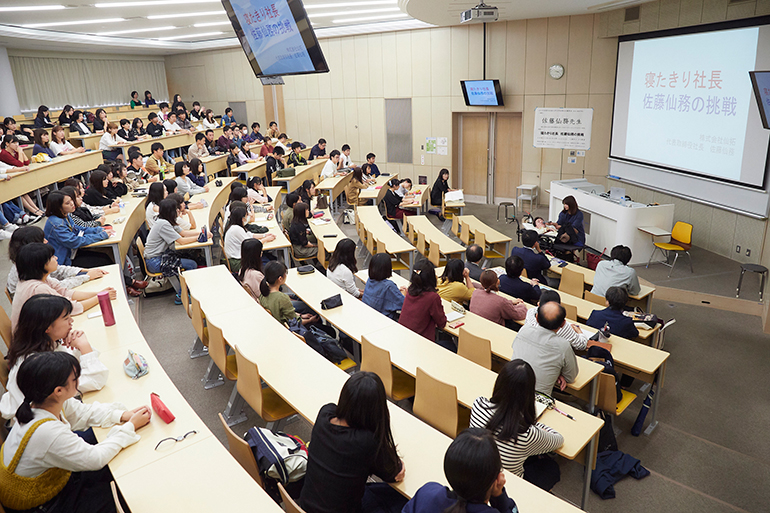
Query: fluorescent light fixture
372,18
351,4
211,24
152,3
189,36
74,23
25,8
135,31
184,15
346,13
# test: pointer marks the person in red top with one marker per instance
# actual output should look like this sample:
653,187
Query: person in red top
266,149
12,155
423,311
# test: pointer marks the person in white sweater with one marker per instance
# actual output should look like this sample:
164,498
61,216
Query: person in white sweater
109,140
342,268
71,473
184,184
510,415
236,234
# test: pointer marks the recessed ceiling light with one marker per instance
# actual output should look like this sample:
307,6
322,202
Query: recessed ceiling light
151,3
351,4
134,31
22,8
211,24
372,18
184,15
189,36
345,13
73,23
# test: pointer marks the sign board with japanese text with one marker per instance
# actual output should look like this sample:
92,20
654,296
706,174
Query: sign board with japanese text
563,128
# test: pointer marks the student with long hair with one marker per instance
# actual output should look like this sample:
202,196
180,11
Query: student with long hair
571,231
59,143
62,233
257,193
117,184
184,184
177,103
287,213
236,234
12,156
440,187
24,134
45,324
490,305
42,140
43,119
79,124
351,441
35,263
423,311
455,283
342,268
98,190
251,266
82,216
380,292
66,116
109,140
209,121
100,121
137,129
155,195
306,191
272,299
148,99
304,243
197,173
353,190
474,472
47,467
510,415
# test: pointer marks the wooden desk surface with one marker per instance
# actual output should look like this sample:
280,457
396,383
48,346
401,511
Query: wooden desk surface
446,245
492,236
588,277
654,231
372,220
330,228
125,231
373,193
421,195
309,172
216,199
46,173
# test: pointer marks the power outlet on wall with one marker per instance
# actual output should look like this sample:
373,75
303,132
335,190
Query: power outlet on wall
748,252
737,249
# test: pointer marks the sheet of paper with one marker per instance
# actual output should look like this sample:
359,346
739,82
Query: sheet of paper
453,316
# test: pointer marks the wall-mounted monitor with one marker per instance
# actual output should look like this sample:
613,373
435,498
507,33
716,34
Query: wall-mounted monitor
482,93
761,82
276,36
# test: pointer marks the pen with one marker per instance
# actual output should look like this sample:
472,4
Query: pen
563,413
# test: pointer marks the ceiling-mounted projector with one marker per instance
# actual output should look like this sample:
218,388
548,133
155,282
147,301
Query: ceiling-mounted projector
482,13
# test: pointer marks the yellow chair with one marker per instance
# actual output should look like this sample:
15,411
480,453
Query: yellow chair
434,255
590,296
294,258
435,402
448,212
201,345
8,295
5,327
571,311
571,282
476,349
322,254
346,364
147,273
251,292
240,450
222,247
288,503
268,404
398,384
224,364
395,263
681,242
607,399
184,293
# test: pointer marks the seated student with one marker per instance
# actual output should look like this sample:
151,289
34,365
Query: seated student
255,136
380,292
455,284
79,124
211,143
570,332
535,261
156,164
510,415
307,192
68,276
60,145
342,268
345,162
135,101
229,119
95,210
233,155
473,255
198,149
159,253
43,449
283,142
66,116
148,99
226,139
184,184
118,183
15,161
278,303
97,193
177,104
296,158
251,265
163,112
272,131
45,324
109,140
170,125
318,151
549,354
209,122
100,121
136,171
330,168
185,220
373,169
394,204
137,129
304,243
616,273
353,190
274,163
266,148
423,311
182,121
369,178
24,135
473,469
246,155
440,187
351,441
125,131
35,263
405,188
43,119
288,213
512,284
620,325
238,195
257,192
42,140
244,133
155,126
197,173
235,234
196,114
82,216
489,305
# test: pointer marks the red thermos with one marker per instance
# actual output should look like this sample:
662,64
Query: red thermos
106,306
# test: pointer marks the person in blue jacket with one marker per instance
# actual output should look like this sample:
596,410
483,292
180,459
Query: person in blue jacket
62,233
535,261
473,468
620,325
512,284
571,219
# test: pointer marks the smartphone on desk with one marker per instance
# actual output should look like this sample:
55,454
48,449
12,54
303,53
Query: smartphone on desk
330,235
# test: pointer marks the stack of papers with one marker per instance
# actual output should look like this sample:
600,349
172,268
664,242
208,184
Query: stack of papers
320,221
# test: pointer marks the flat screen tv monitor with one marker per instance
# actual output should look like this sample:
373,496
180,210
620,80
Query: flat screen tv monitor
482,93
276,36
761,82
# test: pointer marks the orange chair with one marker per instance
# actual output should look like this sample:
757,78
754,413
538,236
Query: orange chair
681,242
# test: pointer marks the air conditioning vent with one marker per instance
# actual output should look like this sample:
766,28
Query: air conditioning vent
632,13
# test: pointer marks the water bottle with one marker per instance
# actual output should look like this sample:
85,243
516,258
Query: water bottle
106,307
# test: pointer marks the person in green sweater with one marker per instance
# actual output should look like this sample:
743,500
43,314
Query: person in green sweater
279,304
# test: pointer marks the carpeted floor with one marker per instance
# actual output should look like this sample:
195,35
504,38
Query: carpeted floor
707,453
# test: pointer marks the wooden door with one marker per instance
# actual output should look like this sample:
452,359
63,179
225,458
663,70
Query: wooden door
507,156
474,139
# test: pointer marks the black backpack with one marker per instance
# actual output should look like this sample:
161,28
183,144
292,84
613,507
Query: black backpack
604,358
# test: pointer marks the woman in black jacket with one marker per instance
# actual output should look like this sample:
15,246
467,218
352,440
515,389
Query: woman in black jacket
42,120
96,194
